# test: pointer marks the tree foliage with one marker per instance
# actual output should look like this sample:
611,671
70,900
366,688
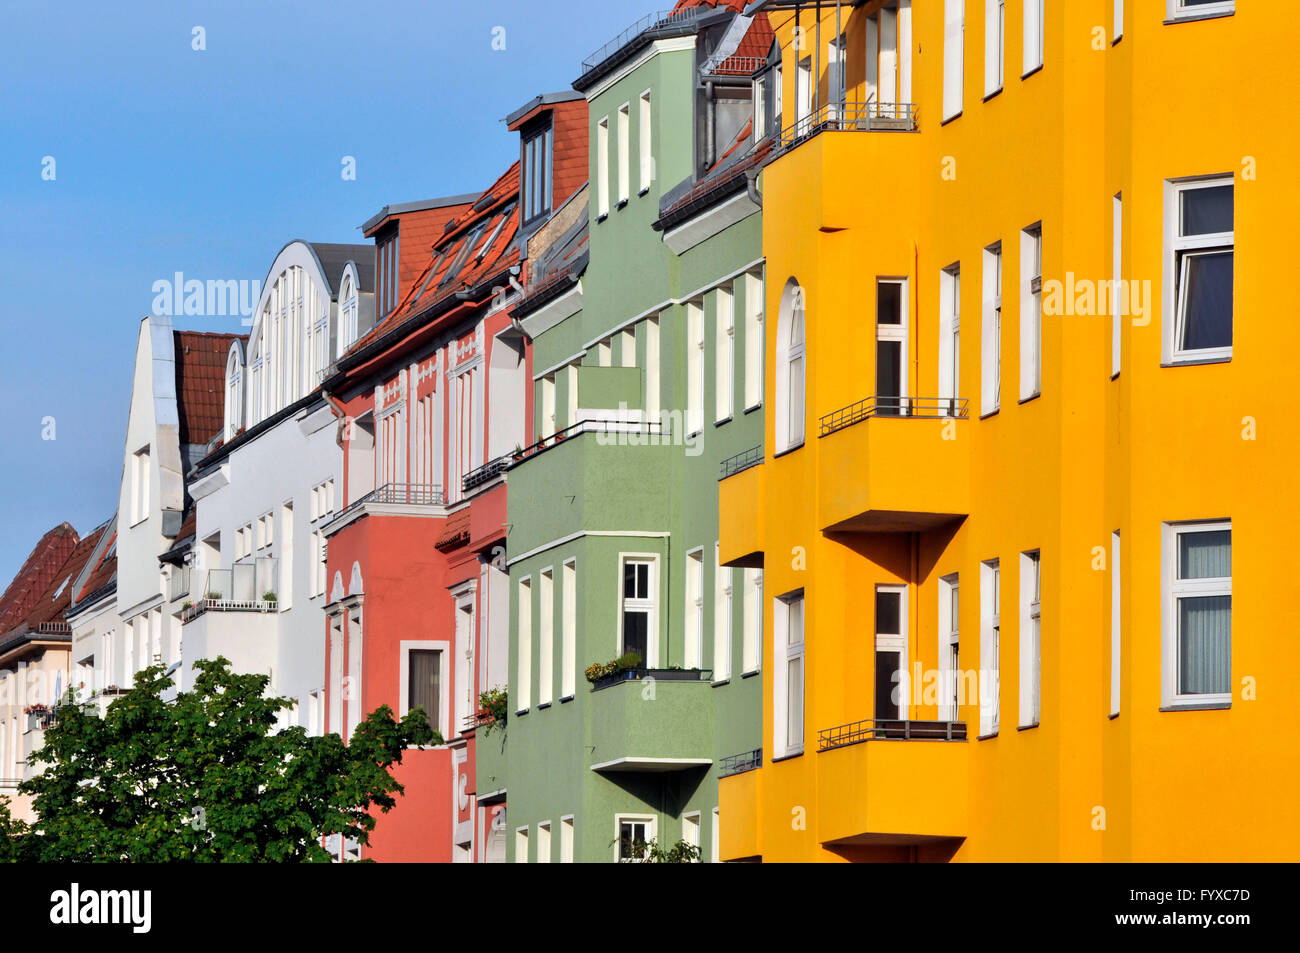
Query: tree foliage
205,777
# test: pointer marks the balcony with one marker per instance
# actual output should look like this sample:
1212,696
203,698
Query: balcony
741,461
484,474
392,499
894,464
651,722
248,586
740,763
848,117
891,783
741,517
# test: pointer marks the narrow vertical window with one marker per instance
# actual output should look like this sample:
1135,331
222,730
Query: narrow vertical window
694,366
950,339
548,406
652,369
571,394
1197,627
1116,593
891,653
524,673
1031,312
1117,296
991,332
752,649
724,353
788,679
568,628
753,340
995,14
990,646
521,845
544,842
1117,28
644,142
545,636
722,601
1033,47
950,648
624,173
1198,282
602,167
566,840
891,347
627,347
638,610
694,605
1031,685
954,39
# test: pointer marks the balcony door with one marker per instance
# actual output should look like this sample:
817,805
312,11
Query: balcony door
891,347
891,653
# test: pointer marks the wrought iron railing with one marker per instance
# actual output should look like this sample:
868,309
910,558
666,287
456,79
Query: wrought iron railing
849,117
887,729
485,473
650,23
736,65
646,428
922,407
740,763
742,461
409,494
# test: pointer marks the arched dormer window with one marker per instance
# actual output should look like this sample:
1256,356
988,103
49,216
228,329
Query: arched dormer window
791,369
234,391
349,308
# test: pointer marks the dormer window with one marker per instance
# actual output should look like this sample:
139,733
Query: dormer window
347,313
234,392
386,255
535,173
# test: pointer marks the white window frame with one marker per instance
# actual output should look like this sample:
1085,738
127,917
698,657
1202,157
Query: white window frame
724,345
754,340
950,337
1174,588
691,829
1116,277
644,141
652,372
723,601
897,333
442,717
954,43
524,651
651,822
650,605
990,647
949,646
521,844
566,839
624,154
543,842
995,18
991,332
545,636
791,384
1180,10
1031,668
1116,619
602,168
752,625
1117,22
894,642
1034,37
693,604
694,366
568,628
1175,249
785,652
1031,311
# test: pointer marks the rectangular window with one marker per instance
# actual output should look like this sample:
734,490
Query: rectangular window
1031,311
644,143
991,332
1116,269
694,366
891,346
803,94
545,637
722,596
753,340
524,673
954,40
652,368
950,648
627,347
602,167
571,395
141,473
521,845
691,829
1197,614
1116,592
624,173
891,652
1117,29
1192,9
566,840
1033,48
694,604
568,628
335,697
639,603
635,832
990,646
715,842
548,406
787,681
724,353
544,842
285,552
950,338
752,626
354,689
1198,270
995,16
1031,685
605,353
424,684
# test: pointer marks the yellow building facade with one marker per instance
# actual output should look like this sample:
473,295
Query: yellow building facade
1059,507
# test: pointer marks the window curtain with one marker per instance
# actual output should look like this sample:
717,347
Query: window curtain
424,687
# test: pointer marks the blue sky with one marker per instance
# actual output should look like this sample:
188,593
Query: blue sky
170,159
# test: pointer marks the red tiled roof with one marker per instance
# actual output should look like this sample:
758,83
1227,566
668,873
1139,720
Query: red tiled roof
426,290
103,573
455,532
735,5
36,574
201,382
52,606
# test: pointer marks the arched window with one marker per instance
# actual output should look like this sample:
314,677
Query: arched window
791,368
347,313
234,392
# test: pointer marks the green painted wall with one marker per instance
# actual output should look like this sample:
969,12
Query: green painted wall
590,499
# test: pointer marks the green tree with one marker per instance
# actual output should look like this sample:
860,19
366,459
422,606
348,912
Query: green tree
205,777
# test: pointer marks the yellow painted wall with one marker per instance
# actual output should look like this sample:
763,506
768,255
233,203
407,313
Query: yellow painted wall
1060,472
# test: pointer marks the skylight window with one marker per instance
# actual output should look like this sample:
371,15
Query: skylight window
492,236
465,247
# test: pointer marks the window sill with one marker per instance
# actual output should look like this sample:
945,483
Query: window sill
1113,715
1026,727
1033,396
750,674
782,453
1192,17
521,712
543,705
622,204
720,682
644,192
1116,40
601,217
1115,376
1195,361
754,407
954,116
992,95
1197,706
990,413
986,737
722,420
566,698
787,756
1036,69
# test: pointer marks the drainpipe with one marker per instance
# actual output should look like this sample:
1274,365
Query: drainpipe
709,121
751,186
341,415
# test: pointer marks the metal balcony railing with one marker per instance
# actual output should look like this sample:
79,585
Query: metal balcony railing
742,461
886,729
648,24
735,65
485,473
247,586
409,494
922,407
178,585
740,763
647,428
849,117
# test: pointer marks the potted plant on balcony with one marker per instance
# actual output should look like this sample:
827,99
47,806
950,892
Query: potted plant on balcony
494,706
625,667
518,453
213,596
269,596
